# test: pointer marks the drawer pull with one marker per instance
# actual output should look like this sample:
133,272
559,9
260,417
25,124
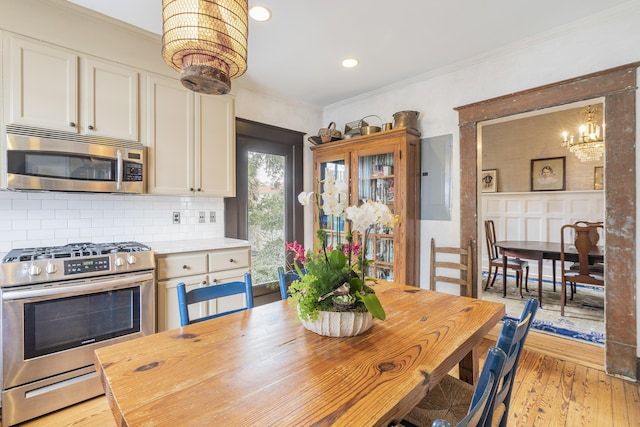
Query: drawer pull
185,267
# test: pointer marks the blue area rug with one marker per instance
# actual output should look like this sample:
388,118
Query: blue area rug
584,315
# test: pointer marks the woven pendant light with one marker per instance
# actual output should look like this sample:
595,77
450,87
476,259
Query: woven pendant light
206,40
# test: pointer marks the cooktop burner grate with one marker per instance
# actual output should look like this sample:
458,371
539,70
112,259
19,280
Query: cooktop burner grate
73,250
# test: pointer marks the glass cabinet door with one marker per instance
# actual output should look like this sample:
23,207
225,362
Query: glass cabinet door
334,225
376,182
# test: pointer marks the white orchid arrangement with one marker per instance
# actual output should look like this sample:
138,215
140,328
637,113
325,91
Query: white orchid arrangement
328,277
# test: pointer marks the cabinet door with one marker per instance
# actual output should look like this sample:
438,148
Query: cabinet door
170,136
232,302
377,182
338,165
110,100
215,147
168,312
43,85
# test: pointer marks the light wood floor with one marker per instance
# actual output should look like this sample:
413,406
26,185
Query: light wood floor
560,382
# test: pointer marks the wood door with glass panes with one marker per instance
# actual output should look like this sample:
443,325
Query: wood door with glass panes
376,181
334,226
383,167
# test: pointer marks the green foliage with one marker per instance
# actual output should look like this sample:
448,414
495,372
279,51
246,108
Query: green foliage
326,272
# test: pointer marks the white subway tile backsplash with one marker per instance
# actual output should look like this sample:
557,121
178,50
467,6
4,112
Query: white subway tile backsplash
50,219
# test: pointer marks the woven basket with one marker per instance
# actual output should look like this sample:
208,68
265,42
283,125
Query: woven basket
330,133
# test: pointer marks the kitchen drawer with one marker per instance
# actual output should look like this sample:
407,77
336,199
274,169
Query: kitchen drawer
177,265
235,275
229,259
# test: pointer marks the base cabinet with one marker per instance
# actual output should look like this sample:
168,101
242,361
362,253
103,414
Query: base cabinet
198,269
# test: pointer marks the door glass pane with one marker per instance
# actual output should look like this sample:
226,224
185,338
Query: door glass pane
333,224
266,215
376,182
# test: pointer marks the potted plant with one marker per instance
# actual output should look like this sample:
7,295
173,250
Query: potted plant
333,296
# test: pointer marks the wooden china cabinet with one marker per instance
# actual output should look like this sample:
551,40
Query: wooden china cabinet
383,167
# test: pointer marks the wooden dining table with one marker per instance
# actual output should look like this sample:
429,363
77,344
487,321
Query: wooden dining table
262,367
540,251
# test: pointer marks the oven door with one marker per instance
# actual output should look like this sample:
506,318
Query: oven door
52,328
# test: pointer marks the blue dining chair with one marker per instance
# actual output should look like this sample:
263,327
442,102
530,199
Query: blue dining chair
284,278
212,292
452,396
484,392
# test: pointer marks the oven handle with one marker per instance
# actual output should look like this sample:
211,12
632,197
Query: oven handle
100,285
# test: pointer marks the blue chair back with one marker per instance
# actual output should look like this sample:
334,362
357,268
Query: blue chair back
484,393
212,292
284,278
511,340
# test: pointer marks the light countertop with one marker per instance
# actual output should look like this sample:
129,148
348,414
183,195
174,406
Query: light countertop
176,246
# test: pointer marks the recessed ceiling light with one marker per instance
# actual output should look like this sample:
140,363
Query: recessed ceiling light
259,13
349,62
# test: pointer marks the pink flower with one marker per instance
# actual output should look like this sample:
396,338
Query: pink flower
297,249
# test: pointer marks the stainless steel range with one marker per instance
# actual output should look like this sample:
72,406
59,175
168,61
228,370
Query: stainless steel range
58,305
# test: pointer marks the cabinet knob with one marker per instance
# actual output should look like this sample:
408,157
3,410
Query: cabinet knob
204,282
185,267
72,124
198,189
232,260
190,188
215,280
90,127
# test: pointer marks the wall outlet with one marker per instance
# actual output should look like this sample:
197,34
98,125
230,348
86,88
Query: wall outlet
176,217
201,217
212,216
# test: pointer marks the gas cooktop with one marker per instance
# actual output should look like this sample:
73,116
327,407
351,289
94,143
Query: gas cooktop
73,250
29,266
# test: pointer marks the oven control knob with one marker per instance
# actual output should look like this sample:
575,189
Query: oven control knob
34,270
119,262
131,259
51,268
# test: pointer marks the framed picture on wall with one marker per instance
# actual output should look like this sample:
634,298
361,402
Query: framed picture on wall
489,181
598,178
548,174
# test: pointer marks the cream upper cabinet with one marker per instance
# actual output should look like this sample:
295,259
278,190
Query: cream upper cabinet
46,91
191,140
43,85
110,100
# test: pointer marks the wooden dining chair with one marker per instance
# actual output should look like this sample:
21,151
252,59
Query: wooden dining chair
495,260
197,295
452,265
284,278
450,399
583,271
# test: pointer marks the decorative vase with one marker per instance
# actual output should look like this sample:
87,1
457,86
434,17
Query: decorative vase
340,323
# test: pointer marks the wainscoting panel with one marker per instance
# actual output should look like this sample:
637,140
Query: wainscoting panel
538,216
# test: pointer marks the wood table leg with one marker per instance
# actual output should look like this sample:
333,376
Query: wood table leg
504,275
469,366
540,281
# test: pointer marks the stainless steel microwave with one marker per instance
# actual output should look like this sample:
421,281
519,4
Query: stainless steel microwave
96,165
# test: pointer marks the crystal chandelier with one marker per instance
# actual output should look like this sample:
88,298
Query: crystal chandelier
589,145
206,40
